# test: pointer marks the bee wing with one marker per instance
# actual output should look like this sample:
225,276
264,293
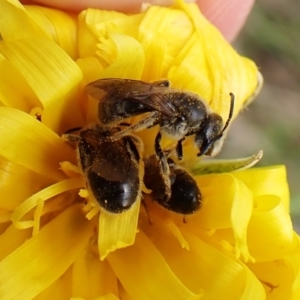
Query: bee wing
152,95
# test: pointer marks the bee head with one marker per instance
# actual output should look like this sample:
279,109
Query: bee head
209,134
209,138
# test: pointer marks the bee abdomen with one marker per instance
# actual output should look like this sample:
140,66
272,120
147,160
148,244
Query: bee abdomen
113,196
186,196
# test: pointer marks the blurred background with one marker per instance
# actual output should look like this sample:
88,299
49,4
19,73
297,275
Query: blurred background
271,37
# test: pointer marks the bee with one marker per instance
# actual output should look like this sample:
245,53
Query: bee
178,113
185,195
112,169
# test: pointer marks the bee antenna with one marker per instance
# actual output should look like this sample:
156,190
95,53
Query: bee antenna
230,112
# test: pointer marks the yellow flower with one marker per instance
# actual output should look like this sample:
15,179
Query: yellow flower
239,245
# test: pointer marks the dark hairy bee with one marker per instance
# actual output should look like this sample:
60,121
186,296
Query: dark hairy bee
185,195
112,169
178,113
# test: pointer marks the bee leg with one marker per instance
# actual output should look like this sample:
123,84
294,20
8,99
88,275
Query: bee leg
164,166
147,212
73,129
124,124
159,152
71,138
149,121
179,151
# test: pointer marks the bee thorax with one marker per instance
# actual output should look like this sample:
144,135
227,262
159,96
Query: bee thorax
176,130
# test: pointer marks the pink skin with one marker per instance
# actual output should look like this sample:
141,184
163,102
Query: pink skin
228,15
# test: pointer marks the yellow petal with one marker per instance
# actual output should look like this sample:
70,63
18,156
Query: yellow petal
11,239
57,25
92,277
267,180
47,68
162,33
125,65
277,277
21,22
11,174
153,68
23,97
227,71
270,232
207,268
16,23
42,150
253,288
165,22
4,219
107,297
144,273
123,293
294,262
117,230
51,74
44,267
189,73
87,33
90,68
177,233
41,196
58,290
218,202
240,216
227,204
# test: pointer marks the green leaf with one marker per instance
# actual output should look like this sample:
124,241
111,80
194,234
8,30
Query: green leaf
226,165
